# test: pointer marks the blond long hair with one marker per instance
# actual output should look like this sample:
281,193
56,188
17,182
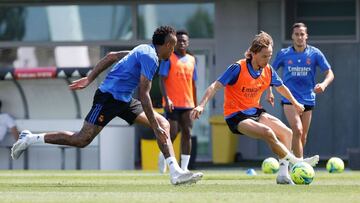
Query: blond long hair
261,40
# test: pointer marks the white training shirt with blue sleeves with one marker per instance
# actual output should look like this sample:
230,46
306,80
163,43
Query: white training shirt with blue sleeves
124,77
299,70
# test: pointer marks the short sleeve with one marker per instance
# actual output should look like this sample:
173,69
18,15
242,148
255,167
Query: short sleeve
164,68
148,65
322,62
195,76
230,76
275,79
277,63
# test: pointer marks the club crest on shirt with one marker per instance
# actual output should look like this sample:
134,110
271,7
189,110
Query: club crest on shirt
308,61
290,62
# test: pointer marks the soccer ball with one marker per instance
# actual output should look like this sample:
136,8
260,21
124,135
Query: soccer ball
335,165
270,165
302,173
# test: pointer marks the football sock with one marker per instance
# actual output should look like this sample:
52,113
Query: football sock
185,161
284,167
173,166
291,158
161,156
37,138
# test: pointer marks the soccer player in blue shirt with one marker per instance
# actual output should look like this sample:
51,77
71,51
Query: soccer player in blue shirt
244,83
299,63
114,98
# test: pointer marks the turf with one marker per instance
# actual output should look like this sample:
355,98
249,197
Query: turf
139,186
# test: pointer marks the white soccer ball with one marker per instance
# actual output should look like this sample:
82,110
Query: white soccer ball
270,165
302,173
335,165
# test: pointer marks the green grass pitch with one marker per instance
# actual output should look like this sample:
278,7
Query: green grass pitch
139,186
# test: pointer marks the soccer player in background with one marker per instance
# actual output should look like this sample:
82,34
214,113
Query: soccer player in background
177,84
114,98
7,123
244,82
299,63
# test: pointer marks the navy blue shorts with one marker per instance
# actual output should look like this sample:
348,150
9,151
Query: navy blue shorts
234,121
105,108
176,114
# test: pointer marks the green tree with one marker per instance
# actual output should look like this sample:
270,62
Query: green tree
200,24
12,23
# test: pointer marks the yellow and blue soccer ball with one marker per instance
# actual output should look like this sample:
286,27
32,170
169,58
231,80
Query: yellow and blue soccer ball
335,165
270,165
302,173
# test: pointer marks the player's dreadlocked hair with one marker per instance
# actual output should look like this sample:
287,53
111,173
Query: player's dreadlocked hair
261,40
161,33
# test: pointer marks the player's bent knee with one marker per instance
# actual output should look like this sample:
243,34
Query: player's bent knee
163,123
269,135
81,143
297,133
81,140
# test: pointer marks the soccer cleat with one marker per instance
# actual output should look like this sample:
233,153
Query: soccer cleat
161,163
184,178
21,144
284,180
312,160
197,176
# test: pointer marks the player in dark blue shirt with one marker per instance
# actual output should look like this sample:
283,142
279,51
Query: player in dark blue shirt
114,99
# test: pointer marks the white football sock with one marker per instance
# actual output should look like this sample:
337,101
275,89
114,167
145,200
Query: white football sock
161,156
284,167
185,161
291,158
37,138
173,166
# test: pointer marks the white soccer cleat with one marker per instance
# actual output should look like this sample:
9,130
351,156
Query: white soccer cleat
284,180
183,178
161,163
312,160
197,176
21,144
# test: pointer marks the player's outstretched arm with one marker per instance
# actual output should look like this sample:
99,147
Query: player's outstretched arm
103,64
209,94
284,91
